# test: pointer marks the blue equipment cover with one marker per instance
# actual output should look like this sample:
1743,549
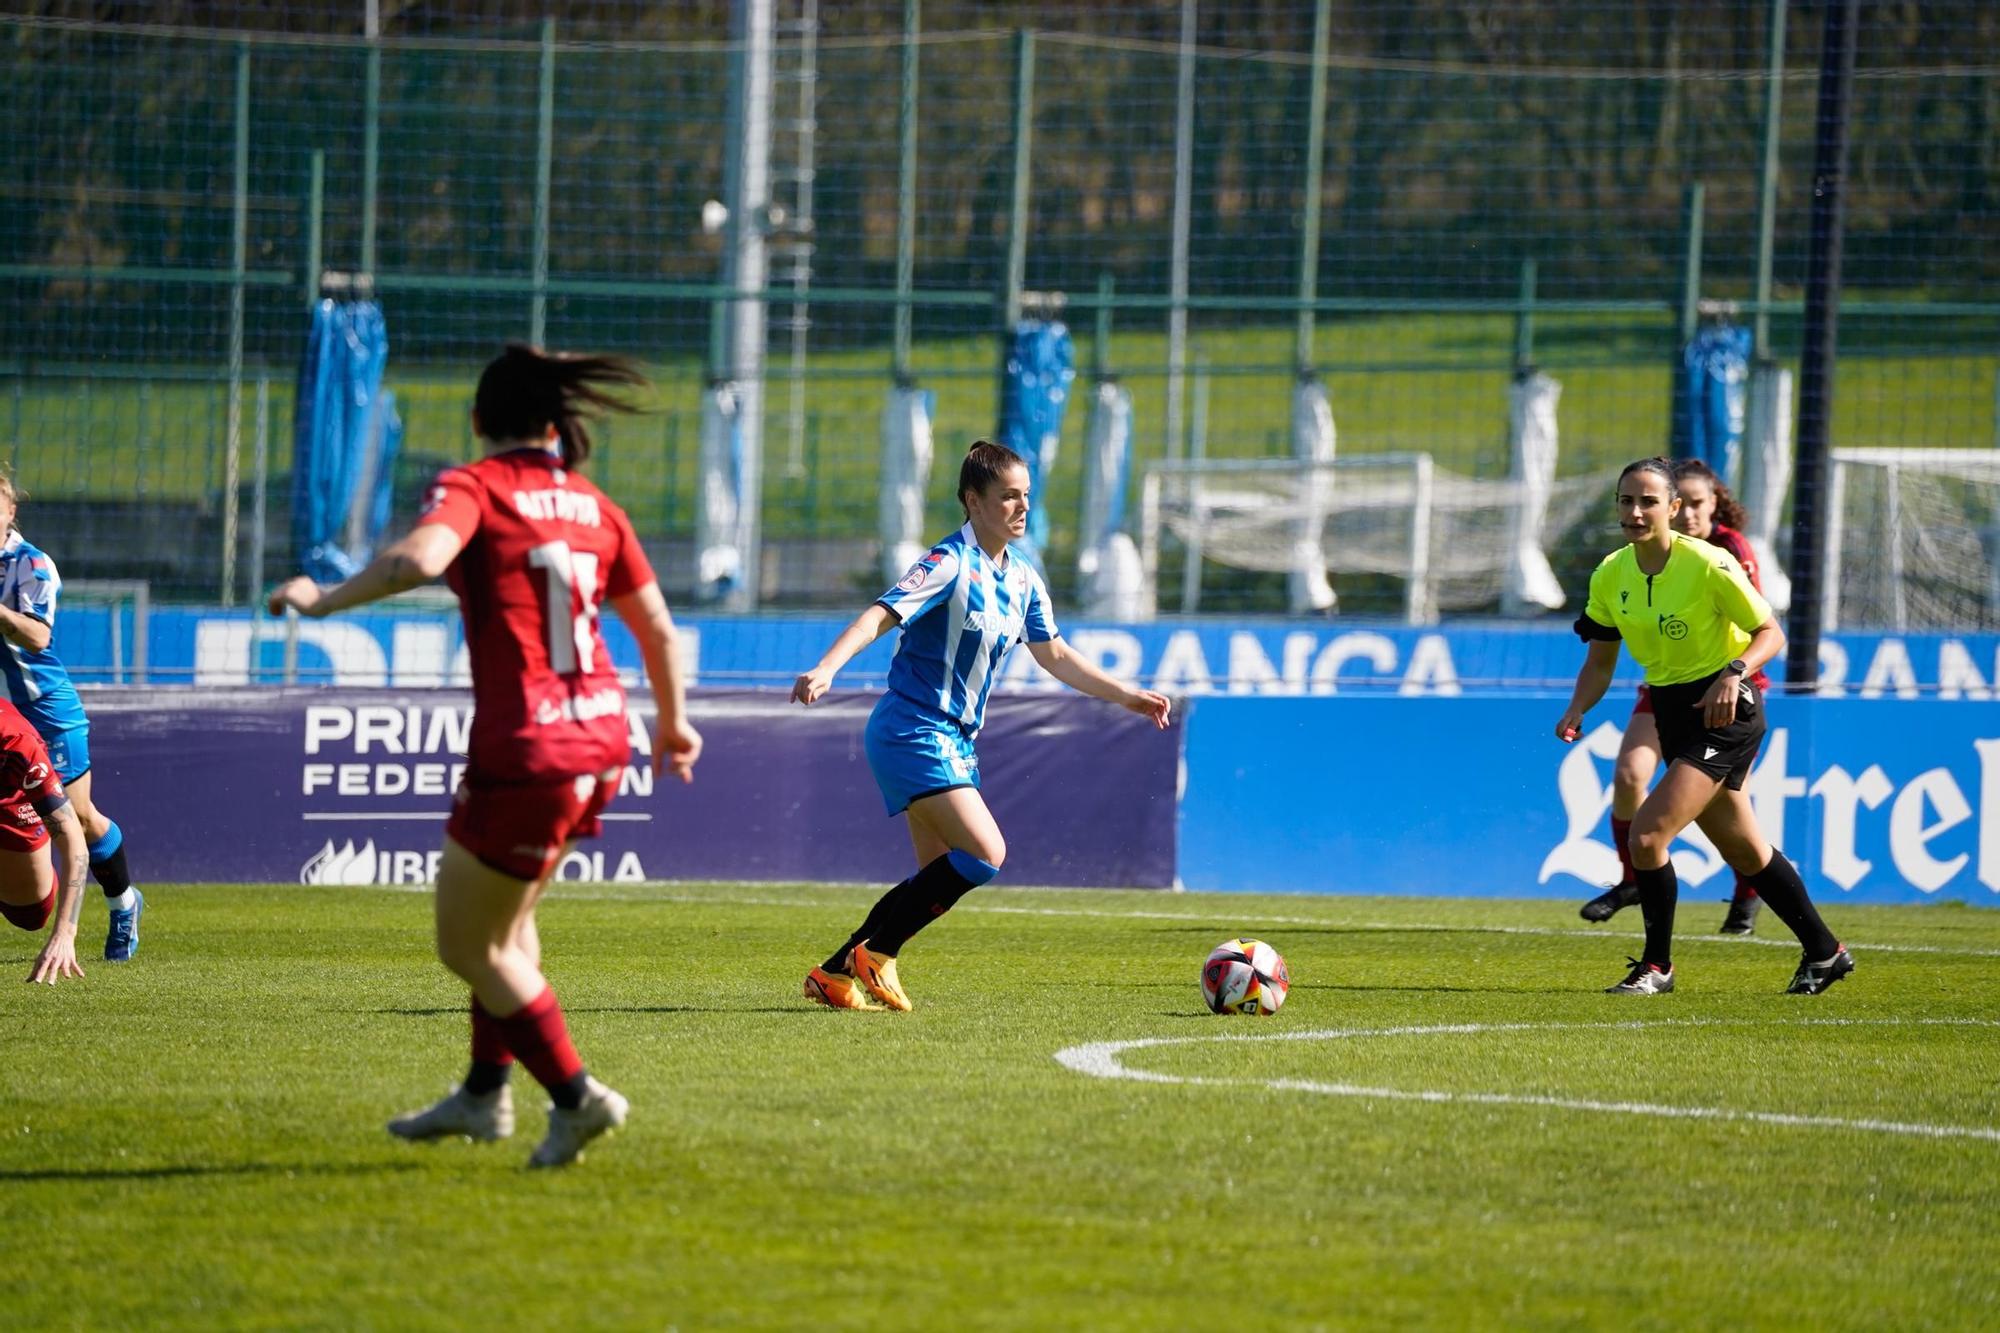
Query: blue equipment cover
1034,391
345,440
1710,387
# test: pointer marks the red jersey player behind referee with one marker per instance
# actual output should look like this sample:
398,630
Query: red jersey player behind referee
33,809
531,548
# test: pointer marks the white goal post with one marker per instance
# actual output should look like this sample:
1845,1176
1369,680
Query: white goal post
1911,539
1450,539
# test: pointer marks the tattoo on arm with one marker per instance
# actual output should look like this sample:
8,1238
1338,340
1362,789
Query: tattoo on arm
75,907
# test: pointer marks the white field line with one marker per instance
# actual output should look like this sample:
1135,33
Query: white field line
1223,919
1103,1059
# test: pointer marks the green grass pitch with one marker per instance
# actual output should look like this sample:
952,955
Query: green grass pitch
195,1140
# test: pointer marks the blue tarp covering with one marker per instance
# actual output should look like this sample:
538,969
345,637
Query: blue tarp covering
1041,363
1710,386
345,439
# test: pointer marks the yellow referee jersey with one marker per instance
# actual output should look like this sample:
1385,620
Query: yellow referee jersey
1685,622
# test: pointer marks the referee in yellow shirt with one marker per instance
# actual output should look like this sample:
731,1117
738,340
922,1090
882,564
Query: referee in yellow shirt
1689,616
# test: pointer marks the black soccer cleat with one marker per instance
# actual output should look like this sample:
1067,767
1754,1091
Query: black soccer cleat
1812,978
1610,902
1742,918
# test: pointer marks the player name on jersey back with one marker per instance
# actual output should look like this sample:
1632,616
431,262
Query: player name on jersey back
565,506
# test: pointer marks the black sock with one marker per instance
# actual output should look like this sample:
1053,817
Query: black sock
1659,890
568,1094
1779,885
877,916
916,902
486,1077
111,874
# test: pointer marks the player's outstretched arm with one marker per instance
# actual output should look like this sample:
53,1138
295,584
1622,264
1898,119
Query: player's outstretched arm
410,563
676,744
867,627
58,956
1592,680
1079,673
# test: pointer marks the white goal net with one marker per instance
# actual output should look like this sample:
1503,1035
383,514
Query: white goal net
1451,539
1912,539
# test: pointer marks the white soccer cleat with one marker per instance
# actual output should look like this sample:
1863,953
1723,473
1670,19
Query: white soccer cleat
460,1115
603,1110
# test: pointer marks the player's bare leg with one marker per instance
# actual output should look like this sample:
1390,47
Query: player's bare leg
487,936
1681,796
1638,759
27,888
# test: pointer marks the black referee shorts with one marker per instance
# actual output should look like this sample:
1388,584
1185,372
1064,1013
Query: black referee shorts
1724,753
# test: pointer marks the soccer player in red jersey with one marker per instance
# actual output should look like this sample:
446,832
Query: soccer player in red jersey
532,549
34,810
1710,512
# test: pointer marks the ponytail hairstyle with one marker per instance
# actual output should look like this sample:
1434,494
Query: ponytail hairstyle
1660,467
984,462
1729,511
525,390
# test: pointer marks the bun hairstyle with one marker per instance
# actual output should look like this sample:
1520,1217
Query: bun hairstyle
984,462
1660,467
1728,512
525,390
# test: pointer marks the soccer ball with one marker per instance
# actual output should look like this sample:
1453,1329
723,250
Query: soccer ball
1245,977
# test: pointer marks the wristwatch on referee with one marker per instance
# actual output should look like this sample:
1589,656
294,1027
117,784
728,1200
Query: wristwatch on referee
1736,667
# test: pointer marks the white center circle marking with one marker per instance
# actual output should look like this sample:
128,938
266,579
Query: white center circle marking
1105,1059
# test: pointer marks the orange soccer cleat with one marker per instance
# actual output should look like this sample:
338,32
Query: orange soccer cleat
835,991
878,974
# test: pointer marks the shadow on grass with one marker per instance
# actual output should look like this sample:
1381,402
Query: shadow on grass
88,1173
458,1011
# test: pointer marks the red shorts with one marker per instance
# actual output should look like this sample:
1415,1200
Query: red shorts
519,828
1645,704
21,829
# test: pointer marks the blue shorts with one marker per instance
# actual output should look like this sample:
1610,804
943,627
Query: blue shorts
916,751
69,751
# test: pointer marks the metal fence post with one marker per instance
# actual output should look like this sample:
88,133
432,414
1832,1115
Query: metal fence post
1017,208
239,234
1176,425
545,137
315,225
1100,342
1524,320
260,500
906,192
1691,263
1767,185
371,133
1302,345
1822,324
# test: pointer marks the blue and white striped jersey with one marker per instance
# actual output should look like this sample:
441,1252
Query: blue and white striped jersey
37,682
961,611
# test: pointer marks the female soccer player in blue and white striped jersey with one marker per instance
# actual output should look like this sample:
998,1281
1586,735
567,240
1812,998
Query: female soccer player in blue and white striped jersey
961,608
40,687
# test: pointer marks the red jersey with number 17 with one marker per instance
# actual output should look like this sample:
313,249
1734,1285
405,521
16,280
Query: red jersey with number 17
543,548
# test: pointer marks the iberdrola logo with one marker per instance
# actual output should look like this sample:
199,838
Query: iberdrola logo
344,865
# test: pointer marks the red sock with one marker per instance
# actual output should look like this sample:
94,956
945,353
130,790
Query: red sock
489,1043
1621,838
33,916
537,1035
1745,891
